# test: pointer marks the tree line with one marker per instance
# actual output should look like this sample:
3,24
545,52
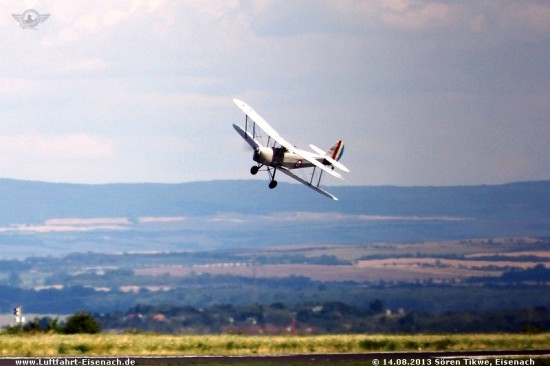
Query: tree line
513,290
319,318
80,322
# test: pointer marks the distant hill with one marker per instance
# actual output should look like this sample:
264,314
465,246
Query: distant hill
244,213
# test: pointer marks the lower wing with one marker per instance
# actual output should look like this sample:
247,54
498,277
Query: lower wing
247,137
305,182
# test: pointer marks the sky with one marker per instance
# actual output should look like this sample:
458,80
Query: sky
422,92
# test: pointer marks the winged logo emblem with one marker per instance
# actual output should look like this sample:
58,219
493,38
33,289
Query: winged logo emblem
30,19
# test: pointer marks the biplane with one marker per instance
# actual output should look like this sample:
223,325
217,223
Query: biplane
274,153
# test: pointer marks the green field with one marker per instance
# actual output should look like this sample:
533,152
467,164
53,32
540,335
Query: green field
52,345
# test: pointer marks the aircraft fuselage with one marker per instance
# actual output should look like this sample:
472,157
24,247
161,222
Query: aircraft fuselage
279,156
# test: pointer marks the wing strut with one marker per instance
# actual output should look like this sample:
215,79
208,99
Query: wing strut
319,180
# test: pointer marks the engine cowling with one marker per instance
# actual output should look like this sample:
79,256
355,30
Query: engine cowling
263,155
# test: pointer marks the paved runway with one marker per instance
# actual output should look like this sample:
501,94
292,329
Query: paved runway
376,359
462,358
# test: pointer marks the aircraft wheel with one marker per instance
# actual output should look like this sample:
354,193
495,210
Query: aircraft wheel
273,184
254,170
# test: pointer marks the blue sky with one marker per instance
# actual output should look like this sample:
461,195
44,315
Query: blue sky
422,92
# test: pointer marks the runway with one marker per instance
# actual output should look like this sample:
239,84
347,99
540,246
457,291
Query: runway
454,358
376,359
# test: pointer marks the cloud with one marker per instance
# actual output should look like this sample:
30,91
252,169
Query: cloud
229,218
169,219
423,92
415,15
88,222
91,64
319,217
76,22
72,225
12,87
70,146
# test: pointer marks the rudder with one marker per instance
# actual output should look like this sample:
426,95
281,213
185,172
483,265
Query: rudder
336,151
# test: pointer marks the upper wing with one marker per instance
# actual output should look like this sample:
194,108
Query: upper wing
315,188
280,140
266,127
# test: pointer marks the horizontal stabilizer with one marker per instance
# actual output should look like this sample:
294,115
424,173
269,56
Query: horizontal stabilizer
313,160
333,162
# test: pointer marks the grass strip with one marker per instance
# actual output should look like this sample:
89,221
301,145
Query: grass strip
55,345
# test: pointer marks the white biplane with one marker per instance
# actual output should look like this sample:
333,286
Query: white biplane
276,153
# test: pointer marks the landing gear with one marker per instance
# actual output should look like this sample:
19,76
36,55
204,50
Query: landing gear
273,182
270,170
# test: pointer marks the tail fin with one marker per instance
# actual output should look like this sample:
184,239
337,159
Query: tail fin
333,155
336,151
